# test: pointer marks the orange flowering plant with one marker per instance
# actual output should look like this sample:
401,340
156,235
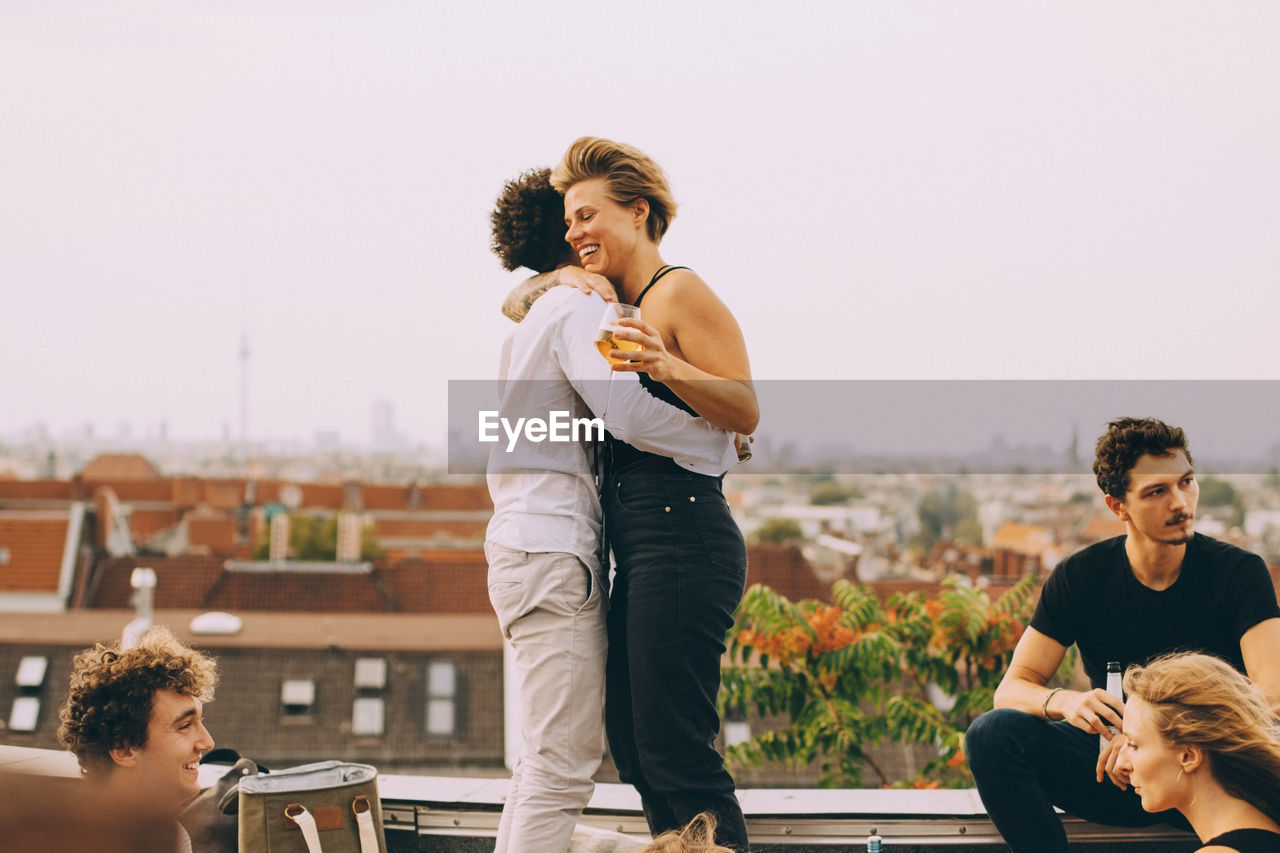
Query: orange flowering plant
855,672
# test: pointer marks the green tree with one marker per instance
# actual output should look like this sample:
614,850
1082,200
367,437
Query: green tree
778,531
1217,492
315,538
941,510
854,673
830,493
968,531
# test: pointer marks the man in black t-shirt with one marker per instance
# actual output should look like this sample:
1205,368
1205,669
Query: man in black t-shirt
1160,588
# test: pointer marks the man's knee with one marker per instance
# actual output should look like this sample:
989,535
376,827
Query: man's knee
996,734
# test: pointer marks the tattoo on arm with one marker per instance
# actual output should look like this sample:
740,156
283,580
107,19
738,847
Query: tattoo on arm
520,300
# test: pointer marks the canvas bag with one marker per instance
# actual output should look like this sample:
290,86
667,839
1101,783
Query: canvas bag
332,806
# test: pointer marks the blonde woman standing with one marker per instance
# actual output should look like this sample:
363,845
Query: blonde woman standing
681,560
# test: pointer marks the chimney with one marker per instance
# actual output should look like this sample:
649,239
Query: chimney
350,526
143,581
278,549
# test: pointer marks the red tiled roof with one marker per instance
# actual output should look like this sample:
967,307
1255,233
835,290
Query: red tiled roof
37,490
322,495
181,582
1100,527
440,582
784,568
223,494
1027,539
146,523
129,491
35,543
119,466
454,497
296,592
217,534
385,497
425,528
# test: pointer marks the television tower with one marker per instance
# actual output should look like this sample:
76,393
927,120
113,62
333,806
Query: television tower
244,388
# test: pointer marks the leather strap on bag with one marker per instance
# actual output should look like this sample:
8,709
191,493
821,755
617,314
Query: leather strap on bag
360,807
364,820
298,813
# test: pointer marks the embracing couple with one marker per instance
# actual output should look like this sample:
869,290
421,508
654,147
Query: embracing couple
640,657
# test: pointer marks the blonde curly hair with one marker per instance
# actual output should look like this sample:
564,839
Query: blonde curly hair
113,690
1200,700
698,837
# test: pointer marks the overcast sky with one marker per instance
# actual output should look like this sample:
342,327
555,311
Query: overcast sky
996,190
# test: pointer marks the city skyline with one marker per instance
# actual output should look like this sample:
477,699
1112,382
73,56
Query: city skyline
890,191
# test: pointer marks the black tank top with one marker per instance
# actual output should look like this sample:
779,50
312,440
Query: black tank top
624,455
1249,840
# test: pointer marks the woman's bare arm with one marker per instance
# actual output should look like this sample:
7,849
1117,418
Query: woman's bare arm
711,373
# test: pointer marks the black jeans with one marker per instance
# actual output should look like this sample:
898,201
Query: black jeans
1024,766
681,568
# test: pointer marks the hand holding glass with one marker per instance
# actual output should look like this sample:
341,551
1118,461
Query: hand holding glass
605,340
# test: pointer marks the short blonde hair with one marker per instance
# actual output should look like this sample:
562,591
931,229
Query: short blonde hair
113,692
1198,700
628,173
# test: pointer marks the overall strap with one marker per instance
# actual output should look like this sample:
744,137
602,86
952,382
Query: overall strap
663,270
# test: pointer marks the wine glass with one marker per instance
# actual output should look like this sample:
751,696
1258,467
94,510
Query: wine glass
605,340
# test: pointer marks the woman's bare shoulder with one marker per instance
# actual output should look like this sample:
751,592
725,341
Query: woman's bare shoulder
684,287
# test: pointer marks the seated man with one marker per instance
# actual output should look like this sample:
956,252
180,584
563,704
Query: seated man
1157,589
135,723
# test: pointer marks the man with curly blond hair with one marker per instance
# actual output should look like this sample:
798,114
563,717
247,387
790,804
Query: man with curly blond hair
134,721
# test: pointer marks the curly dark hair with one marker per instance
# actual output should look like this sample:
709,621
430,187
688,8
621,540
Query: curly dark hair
528,224
1125,442
113,690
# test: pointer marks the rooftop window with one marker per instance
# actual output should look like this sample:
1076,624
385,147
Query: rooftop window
442,699
25,713
297,696
31,671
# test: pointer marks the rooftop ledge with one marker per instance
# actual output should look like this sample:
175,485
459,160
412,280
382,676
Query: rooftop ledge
446,813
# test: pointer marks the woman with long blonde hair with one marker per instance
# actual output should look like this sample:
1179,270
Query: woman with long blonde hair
1202,739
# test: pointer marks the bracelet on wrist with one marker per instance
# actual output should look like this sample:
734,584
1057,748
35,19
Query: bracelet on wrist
1045,708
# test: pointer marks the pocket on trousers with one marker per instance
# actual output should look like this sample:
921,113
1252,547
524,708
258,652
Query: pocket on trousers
592,588
508,592
721,537
642,494
507,598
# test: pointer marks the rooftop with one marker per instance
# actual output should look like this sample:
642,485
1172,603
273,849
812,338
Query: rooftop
449,813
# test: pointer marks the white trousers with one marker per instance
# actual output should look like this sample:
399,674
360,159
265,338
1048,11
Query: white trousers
552,611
